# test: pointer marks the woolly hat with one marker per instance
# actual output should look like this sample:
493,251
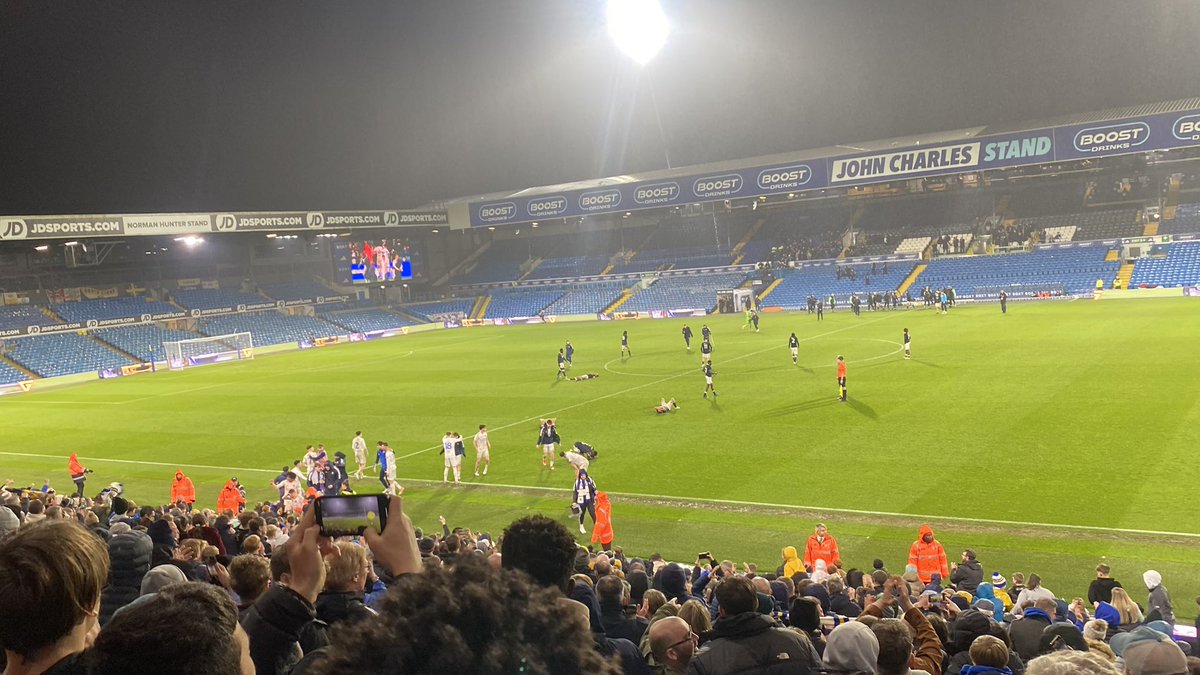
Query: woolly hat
8,521
998,581
1096,629
673,580
120,528
878,564
160,577
984,605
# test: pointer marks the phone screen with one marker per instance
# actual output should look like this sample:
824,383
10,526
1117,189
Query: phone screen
343,515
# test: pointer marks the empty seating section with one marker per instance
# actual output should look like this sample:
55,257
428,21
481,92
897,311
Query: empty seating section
573,266
364,320
683,292
112,308
1077,269
650,260
20,316
144,342
212,298
821,281
507,303
1092,225
588,298
295,290
1181,267
9,375
270,328
1059,233
501,262
1187,220
63,354
426,310
912,245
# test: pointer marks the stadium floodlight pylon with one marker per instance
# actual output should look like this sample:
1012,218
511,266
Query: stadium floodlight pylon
182,354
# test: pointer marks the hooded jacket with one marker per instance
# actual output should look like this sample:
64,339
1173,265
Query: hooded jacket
928,557
602,531
130,554
967,576
75,467
851,648
231,498
1026,633
1159,600
815,549
182,490
791,562
985,592
754,643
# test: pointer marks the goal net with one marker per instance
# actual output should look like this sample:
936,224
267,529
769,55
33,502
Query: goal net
204,351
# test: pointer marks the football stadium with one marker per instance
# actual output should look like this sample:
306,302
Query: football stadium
853,404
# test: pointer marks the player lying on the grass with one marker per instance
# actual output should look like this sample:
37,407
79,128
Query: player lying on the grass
664,406
580,378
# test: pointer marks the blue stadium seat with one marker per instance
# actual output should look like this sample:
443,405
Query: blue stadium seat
140,340
295,290
423,310
63,354
822,281
1077,269
508,303
21,316
1181,267
210,298
365,320
589,298
683,292
9,375
111,308
270,327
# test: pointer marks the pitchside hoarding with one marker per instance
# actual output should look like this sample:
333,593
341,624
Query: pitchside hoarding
1099,139
179,224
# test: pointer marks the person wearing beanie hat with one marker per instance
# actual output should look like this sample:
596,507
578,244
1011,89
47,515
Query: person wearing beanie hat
998,581
1000,590
1159,600
160,577
8,522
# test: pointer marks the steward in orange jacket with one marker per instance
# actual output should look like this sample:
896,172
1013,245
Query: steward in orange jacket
231,498
928,555
78,473
182,490
602,531
820,546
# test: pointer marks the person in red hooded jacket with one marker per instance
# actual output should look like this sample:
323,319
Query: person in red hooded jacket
182,490
78,473
820,546
602,531
928,555
231,498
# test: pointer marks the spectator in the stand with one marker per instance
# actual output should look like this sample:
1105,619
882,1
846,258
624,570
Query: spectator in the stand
673,643
164,538
1032,593
1026,632
50,580
1126,608
928,555
1100,589
250,577
697,615
202,636
1070,663
840,601
130,552
1149,652
744,640
852,649
791,563
896,637
1158,605
820,546
610,590
965,629
202,530
989,656
969,574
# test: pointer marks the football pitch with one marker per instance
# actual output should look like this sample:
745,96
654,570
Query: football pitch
1048,439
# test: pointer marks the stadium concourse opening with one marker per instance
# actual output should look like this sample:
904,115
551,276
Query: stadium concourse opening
616,295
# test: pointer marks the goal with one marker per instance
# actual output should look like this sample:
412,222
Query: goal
204,351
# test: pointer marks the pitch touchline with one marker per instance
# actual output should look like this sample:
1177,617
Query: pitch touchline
703,500
641,386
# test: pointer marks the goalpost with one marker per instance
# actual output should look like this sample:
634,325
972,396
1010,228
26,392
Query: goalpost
182,354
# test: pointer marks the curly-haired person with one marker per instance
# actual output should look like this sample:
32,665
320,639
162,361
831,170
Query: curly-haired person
467,618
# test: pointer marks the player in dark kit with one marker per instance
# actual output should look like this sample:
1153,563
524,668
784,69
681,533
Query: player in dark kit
706,351
907,344
562,366
1003,302
794,345
625,344
820,310
687,338
570,352
705,332
841,377
754,319
708,383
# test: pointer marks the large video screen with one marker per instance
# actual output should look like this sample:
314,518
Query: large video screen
376,261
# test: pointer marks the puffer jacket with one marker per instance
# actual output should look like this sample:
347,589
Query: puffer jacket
334,607
754,643
967,576
130,554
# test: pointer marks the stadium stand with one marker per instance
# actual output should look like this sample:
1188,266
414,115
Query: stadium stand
572,266
212,298
363,320
588,298
270,327
501,262
822,281
1181,267
294,290
425,310
1059,233
507,303
143,342
1187,220
21,316
683,292
8,374
1091,225
1076,269
912,245
63,354
112,308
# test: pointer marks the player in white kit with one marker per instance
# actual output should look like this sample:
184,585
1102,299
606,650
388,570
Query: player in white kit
359,446
483,450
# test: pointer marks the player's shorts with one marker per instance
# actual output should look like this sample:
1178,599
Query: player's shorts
841,381
548,448
449,459
795,352
707,380
456,460
908,344
705,358
360,457
483,455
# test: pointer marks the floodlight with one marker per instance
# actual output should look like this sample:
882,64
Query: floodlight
639,27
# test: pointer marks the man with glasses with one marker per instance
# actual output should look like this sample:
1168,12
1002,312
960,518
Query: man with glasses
672,643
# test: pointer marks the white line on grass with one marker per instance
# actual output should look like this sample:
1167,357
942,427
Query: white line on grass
702,500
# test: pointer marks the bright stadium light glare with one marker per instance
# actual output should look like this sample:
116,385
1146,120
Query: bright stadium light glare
638,27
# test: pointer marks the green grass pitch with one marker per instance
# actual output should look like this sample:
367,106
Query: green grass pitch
1044,438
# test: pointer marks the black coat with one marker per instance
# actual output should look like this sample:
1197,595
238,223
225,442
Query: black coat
335,607
967,576
130,554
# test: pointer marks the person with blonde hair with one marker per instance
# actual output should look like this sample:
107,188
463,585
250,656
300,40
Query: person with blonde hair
1128,610
345,579
253,545
697,616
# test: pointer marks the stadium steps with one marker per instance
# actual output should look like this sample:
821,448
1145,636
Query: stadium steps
411,317
910,279
114,348
481,306
52,314
1172,201
1123,275
750,235
625,296
768,289
1150,229
18,367
608,269
1113,255
529,271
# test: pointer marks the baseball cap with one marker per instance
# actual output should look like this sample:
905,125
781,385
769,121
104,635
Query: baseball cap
1122,641
1158,657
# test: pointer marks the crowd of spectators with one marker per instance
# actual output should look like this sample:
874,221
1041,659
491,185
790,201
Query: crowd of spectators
104,586
820,246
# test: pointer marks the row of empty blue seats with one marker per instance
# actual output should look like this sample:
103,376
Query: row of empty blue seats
111,308
1077,269
268,328
1187,220
508,303
20,316
683,292
211,298
63,354
425,310
295,289
822,281
9,375
572,266
588,298
1181,267
364,320
144,342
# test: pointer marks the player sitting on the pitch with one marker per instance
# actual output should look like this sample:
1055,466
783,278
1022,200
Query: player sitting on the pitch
665,407
580,378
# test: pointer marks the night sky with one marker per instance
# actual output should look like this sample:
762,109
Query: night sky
112,107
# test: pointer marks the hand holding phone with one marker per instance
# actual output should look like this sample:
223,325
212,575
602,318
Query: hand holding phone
343,515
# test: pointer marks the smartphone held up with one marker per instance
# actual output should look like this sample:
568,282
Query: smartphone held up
351,515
